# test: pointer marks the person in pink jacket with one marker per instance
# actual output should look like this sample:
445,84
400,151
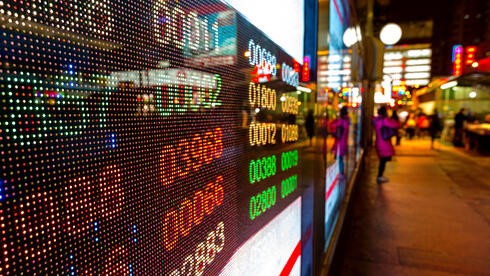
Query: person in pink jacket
384,147
341,134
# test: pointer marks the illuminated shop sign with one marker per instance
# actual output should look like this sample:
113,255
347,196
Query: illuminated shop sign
411,65
306,69
457,60
470,53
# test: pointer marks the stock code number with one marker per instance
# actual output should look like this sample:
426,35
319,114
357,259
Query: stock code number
262,168
205,252
261,96
261,134
262,202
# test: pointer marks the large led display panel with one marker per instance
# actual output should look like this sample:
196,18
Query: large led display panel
281,20
146,137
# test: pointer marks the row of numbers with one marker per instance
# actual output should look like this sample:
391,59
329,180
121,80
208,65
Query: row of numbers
205,252
262,168
261,134
262,202
289,104
260,96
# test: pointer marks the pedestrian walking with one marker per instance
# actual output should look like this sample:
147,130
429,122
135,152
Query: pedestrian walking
310,125
423,125
459,121
341,135
435,127
395,117
385,129
410,126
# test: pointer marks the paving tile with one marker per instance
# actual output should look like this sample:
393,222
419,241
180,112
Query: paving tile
432,218
444,262
353,267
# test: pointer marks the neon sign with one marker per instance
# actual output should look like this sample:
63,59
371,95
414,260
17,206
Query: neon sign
306,69
470,53
457,60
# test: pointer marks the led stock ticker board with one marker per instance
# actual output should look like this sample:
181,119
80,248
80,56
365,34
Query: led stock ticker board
135,141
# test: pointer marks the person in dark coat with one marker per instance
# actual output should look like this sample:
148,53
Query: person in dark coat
395,117
459,120
434,128
310,125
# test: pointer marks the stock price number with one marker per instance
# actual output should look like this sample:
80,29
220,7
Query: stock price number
261,134
289,104
289,159
260,96
262,168
289,133
262,202
205,252
289,185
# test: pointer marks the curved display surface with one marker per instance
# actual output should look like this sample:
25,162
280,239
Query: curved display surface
147,137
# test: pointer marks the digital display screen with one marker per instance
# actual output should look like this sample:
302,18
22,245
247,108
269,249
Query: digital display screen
146,137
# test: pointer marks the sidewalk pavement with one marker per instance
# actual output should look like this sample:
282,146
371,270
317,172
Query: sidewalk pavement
432,218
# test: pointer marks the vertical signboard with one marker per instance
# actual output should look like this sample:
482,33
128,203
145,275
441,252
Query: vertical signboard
457,60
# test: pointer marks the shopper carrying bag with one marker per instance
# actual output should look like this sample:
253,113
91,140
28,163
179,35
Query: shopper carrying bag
385,129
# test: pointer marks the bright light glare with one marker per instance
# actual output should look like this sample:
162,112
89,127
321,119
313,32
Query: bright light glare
417,82
393,56
419,53
390,34
388,70
449,84
472,94
421,61
304,89
393,63
351,36
421,68
417,75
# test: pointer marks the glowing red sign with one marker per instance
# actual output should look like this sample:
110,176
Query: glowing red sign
470,53
457,60
306,69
